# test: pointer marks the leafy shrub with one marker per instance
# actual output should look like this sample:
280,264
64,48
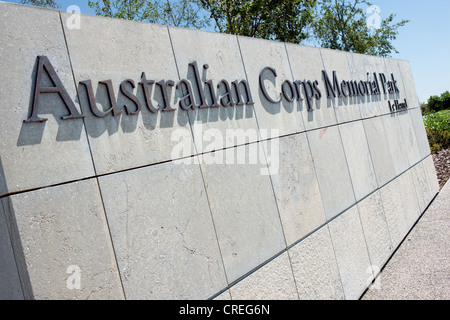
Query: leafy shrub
437,126
437,103
438,120
445,100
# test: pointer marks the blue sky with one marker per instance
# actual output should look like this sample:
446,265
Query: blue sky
424,41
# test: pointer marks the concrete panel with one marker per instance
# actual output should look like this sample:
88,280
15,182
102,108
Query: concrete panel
40,153
284,116
395,141
430,172
10,286
394,212
379,150
393,68
306,64
358,158
162,232
346,108
409,137
315,268
421,134
332,171
421,186
376,229
408,83
66,242
246,218
296,189
114,49
274,281
351,253
221,54
409,198
363,67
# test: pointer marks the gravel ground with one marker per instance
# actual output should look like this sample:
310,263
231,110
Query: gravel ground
442,164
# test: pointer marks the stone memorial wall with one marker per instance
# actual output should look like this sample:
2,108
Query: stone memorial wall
140,161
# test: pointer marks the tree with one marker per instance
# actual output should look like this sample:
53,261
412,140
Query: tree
342,25
268,19
439,103
291,20
138,10
41,3
183,13
335,24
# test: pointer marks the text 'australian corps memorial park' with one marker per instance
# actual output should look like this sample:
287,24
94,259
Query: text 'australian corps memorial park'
297,90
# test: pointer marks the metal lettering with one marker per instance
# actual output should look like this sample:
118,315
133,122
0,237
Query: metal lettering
44,63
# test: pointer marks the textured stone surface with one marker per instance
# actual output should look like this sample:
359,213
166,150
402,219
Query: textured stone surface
63,229
284,116
408,83
162,232
362,67
306,64
393,68
296,189
430,172
394,212
221,53
332,170
347,108
351,253
244,211
376,230
274,281
45,153
358,158
10,286
315,269
114,49
379,150
421,186
395,142
409,137
409,198
421,134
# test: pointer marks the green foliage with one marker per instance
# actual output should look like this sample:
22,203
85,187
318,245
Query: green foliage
286,21
438,139
437,103
434,103
445,100
438,120
182,13
437,126
342,25
138,10
41,3
335,24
